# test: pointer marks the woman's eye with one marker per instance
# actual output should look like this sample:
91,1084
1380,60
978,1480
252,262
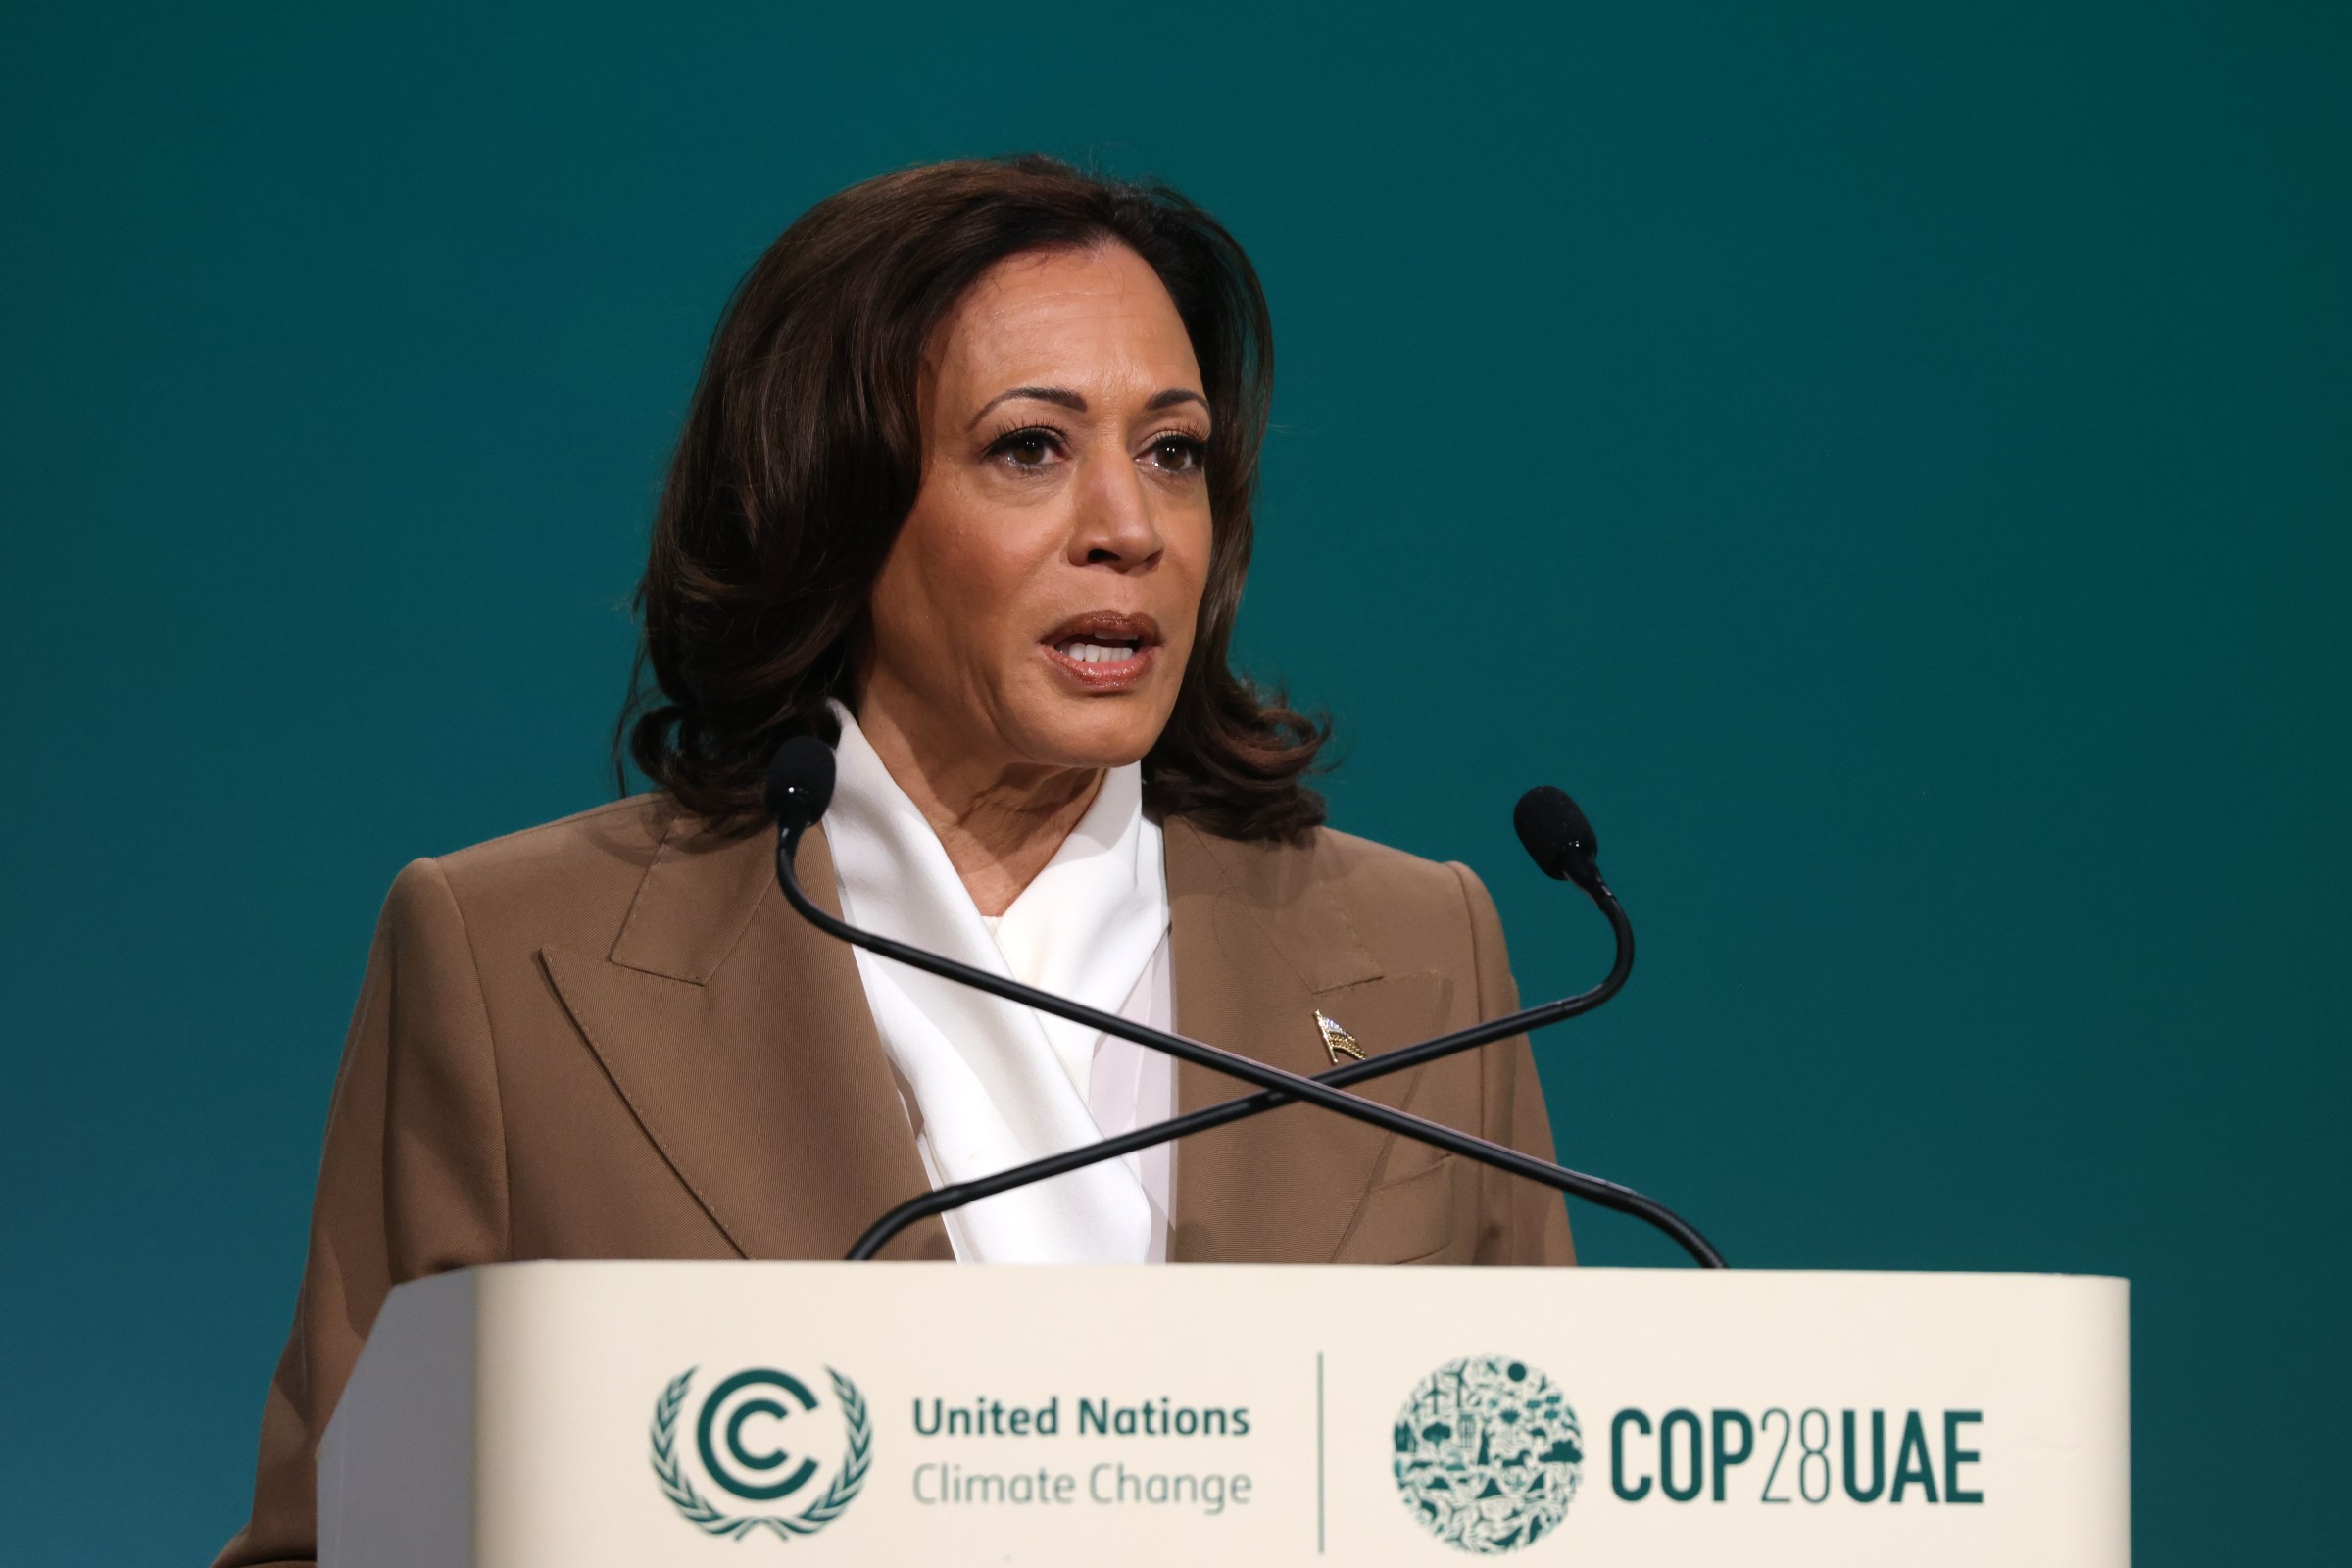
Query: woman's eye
1025,449
1179,454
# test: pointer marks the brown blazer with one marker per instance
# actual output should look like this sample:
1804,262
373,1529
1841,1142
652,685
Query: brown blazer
609,1037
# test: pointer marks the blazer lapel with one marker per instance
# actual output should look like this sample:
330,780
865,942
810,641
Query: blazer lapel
1259,947
740,1037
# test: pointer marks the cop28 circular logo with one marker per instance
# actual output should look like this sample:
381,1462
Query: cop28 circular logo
760,1437
1488,1453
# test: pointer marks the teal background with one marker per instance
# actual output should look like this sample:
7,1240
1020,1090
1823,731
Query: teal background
1889,463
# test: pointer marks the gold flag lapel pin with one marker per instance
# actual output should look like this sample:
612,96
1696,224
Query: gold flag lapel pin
1337,1038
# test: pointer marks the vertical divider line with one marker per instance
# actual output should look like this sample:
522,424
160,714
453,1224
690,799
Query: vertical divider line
1318,1454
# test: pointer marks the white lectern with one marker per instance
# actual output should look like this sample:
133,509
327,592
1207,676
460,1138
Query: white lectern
566,1415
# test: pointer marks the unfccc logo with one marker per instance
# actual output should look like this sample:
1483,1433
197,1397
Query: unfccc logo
751,1440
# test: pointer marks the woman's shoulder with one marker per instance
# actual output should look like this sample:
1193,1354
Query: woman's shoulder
572,882
573,857
1408,910
1366,868
1345,863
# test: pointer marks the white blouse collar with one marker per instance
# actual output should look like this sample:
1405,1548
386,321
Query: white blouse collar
996,1084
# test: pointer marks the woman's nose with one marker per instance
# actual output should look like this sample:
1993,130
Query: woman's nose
1118,524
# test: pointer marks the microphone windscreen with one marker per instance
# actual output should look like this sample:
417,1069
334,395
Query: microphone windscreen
800,782
1558,837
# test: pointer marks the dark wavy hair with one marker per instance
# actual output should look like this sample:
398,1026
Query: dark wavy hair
802,452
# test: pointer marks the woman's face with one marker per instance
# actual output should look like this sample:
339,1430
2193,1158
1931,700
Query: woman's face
1038,606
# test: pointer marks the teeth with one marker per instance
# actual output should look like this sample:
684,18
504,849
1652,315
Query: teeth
1086,652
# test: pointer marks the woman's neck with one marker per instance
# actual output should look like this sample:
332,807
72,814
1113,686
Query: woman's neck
1000,822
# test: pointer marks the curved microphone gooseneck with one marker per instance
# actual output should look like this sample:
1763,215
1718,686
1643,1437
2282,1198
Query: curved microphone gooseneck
801,788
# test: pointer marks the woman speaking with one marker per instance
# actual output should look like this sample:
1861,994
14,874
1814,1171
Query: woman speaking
965,490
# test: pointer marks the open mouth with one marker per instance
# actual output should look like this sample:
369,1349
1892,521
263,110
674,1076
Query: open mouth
1105,650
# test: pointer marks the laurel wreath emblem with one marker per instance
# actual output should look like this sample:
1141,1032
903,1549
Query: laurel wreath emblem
679,1487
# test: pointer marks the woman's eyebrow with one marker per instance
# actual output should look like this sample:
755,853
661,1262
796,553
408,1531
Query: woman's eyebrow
1065,398
1062,395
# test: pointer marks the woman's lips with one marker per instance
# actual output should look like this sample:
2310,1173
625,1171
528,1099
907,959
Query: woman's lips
1104,651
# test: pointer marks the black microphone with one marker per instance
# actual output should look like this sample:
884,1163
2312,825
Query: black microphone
1558,837
800,786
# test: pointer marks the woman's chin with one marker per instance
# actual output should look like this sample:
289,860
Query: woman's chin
1091,731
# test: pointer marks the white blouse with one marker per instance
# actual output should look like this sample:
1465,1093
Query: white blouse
994,1084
